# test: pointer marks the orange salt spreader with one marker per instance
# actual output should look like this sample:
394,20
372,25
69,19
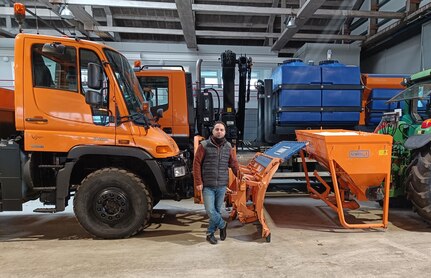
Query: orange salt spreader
359,164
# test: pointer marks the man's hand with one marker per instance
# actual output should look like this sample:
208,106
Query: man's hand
199,187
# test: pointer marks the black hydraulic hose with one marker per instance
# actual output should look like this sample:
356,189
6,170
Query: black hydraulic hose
248,85
218,101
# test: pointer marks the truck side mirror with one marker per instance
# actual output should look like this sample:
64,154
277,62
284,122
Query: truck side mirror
95,76
160,113
93,98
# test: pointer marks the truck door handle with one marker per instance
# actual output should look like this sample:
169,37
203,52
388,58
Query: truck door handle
167,130
36,120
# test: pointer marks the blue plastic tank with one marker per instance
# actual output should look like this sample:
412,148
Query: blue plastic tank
376,104
335,73
295,72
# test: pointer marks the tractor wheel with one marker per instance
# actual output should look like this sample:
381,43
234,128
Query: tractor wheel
419,183
112,203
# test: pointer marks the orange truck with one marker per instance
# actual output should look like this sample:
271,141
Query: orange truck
187,112
170,90
77,124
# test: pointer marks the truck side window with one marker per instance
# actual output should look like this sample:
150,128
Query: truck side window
156,91
100,113
54,70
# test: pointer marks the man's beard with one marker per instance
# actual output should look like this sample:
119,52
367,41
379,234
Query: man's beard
218,140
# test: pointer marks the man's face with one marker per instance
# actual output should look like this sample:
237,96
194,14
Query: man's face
219,131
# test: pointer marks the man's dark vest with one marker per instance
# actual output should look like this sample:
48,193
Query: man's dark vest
215,166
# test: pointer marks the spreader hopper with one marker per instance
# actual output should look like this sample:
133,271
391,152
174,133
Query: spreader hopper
360,167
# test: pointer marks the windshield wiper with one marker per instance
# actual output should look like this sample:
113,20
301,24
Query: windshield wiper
138,118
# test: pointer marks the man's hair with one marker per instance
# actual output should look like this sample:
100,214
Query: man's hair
221,123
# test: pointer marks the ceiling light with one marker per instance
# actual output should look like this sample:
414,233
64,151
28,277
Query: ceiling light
290,22
66,13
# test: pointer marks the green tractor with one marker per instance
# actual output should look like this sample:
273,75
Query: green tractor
410,127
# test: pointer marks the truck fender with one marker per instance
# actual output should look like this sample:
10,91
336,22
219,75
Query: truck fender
63,176
417,141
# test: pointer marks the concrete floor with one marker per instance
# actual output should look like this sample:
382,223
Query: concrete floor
307,241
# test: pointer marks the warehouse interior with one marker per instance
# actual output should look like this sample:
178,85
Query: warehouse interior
326,103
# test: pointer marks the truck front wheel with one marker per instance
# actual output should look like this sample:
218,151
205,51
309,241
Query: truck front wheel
419,183
112,203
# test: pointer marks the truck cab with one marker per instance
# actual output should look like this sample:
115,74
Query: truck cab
85,130
170,90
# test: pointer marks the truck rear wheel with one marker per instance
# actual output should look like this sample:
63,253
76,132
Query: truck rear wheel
419,183
112,203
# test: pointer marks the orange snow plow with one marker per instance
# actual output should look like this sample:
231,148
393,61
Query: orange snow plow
247,192
359,163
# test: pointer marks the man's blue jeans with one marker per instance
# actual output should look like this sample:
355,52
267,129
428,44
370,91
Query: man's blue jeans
213,201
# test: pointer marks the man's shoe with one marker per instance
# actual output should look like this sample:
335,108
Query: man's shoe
223,233
211,239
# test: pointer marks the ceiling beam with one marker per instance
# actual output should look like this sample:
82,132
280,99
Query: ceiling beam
229,9
362,14
155,31
139,17
184,8
396,26
88,20
6,34
235,25
372,22
120,3
271,19
55,9
226,34
412,6
110,22
296,37
250,1
348,21
304,13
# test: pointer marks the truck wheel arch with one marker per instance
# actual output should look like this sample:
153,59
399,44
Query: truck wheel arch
64,175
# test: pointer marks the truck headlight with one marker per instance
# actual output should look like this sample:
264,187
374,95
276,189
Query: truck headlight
179,171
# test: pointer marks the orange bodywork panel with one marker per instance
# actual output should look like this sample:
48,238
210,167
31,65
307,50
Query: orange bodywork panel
7,117
55,119
357,162
6,100
371,82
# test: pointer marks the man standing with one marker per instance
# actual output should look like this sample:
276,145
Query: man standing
211,164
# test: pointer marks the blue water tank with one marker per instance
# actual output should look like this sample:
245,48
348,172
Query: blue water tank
376,104
295,72
340,97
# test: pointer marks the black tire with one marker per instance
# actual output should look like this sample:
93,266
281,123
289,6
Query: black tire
419,183
112,203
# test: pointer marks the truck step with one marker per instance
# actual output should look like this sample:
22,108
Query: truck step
48,188
50,166
45,210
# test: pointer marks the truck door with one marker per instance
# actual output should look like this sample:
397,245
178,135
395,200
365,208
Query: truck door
57,116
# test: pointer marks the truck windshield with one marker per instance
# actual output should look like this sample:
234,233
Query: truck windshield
129,85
